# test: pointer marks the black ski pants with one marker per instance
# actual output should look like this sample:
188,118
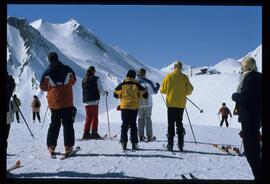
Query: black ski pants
36,114
129,117
175,116
63,116
224,118
252,147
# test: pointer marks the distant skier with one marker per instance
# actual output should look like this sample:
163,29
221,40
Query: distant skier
91,88
224,111
145,109
10,87
176,86
16,103
58,80
36,108
130,92
248,100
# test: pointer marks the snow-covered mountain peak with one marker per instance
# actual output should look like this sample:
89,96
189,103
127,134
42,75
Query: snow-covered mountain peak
36,24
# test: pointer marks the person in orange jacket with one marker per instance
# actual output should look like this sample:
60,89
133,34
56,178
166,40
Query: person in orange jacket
58,80
224,111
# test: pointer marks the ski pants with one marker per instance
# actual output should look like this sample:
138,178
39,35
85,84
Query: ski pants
252,147
175,116
144,120
129,117
36,114
59,116
224,118
91,119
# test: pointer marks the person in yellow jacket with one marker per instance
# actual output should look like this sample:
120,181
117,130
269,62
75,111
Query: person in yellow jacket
129,92
176,86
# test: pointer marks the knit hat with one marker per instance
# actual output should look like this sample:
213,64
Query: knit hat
178,65
141,72
131,73
53,57
250,63
91,69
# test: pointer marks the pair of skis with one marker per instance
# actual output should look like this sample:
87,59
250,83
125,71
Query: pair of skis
228,149
189,176
105,137
72,153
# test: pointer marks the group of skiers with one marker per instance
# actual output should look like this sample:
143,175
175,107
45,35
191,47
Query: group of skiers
135,100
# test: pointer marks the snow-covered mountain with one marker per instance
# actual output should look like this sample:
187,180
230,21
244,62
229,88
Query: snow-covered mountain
28,46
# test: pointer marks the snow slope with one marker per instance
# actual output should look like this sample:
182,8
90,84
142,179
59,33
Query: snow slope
104,159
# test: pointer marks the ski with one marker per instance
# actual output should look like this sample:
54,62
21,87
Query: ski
184,177
165,147
15,166
105,137
226,149
193,177
71,154
153,139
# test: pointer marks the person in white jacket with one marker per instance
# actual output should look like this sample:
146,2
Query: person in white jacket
145,109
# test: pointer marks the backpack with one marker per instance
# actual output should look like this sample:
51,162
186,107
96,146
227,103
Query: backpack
36,103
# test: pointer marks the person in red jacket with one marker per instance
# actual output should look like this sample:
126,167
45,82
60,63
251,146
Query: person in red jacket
224,111
58,80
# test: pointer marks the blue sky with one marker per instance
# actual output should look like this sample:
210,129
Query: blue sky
158,34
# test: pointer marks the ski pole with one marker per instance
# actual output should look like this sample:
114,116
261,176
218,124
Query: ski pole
163,99
44,117
241,147
191,127
195,105
108,116
23,118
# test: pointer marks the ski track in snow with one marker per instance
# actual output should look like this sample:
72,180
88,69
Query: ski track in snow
102,159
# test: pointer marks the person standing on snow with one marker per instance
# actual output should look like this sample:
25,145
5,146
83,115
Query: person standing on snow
91,88
10,87
224,111
58,80
176,86
16,103
36,108
145,109
248,100
130,92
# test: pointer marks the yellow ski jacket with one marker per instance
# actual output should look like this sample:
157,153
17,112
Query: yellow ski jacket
176,86
130,92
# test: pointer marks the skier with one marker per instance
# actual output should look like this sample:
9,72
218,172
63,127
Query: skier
224,111
36,108
129,92
91,88
10,86
58,80
248,99
145,109
176,86
16,103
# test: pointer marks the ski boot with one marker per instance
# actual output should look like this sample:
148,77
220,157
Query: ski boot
68,150
142,138
170,144
124,145
51,149
135,146
86,135
96,136
150,138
